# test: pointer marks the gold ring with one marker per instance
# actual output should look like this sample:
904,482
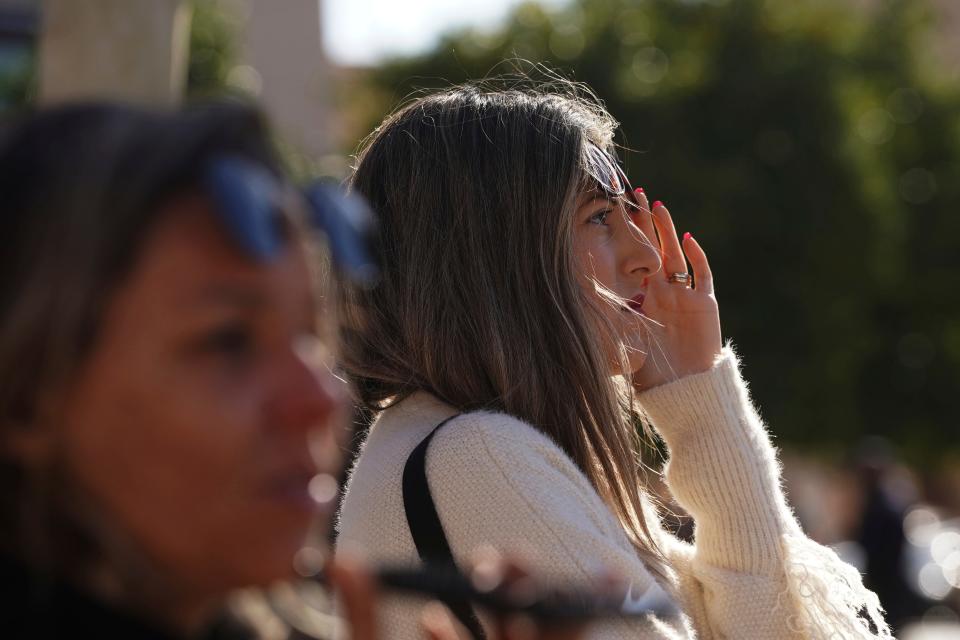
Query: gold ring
681,278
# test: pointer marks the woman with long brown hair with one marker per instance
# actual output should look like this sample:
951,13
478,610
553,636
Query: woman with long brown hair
534,311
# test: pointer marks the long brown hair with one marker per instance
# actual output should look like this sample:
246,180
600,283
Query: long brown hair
475,188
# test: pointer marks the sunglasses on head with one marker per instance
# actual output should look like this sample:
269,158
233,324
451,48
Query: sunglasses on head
250,202
605,169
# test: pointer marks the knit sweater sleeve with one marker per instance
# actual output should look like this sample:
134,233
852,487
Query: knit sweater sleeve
752,573
498,482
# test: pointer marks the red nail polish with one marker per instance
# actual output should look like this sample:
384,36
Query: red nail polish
638,190
657,204
685,236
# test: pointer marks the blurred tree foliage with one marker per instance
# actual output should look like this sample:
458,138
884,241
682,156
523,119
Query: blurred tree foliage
213,48
814,150
18,78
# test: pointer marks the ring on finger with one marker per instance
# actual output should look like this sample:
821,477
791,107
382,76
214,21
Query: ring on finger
681,278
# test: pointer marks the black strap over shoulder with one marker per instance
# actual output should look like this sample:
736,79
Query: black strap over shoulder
425,526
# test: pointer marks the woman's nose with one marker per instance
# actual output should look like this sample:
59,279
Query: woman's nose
639,254
309,396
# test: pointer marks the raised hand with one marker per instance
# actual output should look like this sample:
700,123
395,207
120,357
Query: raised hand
685,337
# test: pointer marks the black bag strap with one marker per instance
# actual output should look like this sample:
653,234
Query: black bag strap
427,531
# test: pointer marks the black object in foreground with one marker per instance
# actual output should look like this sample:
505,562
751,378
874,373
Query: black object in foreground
522,596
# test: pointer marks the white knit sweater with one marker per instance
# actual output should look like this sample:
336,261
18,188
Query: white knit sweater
752,573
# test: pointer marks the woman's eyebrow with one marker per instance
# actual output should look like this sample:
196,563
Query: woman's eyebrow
224,294
595,198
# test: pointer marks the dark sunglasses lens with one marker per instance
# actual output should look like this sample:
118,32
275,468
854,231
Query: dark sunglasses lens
348,223
244,196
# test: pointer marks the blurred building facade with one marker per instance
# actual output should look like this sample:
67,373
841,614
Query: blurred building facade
131,50
287,69
137,50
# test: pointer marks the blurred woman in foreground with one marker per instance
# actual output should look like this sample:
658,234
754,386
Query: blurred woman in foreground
159,372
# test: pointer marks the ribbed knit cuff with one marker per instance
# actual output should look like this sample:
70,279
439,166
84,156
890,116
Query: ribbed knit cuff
722,467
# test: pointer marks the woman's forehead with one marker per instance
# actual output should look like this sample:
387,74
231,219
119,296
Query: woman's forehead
192,258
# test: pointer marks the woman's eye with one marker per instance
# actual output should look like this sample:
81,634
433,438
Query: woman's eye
600,217
233,341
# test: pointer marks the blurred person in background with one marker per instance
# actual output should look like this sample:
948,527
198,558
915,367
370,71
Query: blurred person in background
880,531
533,309
165,384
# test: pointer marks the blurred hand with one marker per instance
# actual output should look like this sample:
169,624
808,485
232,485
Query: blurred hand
496,573
439,624
358,592
688,339
357,589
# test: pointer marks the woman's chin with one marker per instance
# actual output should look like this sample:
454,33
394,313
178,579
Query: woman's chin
636,351
271,565
635,359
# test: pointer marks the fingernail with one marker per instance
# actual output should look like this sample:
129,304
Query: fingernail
657,204
638,190
686,235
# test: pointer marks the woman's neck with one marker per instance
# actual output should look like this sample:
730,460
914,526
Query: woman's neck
124,575
143,591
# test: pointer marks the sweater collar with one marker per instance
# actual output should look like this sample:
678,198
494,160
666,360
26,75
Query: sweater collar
420,410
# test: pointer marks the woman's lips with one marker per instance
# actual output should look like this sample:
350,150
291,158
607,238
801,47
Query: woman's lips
636,303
